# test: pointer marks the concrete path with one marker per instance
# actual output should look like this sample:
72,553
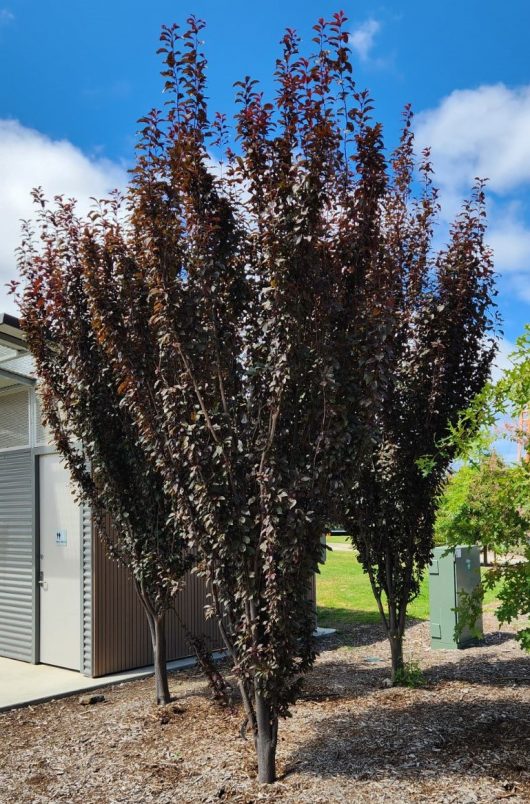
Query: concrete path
23,684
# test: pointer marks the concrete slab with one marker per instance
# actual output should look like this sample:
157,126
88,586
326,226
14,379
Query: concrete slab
22,684
324,632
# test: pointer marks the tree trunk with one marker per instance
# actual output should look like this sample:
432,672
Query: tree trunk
395,631
158,641
396,652
265,740
160,663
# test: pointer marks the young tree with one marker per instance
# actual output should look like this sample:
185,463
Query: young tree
213,294
452,501
93,431
418,350
501,501
488,502
481,503
234,401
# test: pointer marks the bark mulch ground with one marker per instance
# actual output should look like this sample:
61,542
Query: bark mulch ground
464,737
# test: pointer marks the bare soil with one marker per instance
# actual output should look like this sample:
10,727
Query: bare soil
462,738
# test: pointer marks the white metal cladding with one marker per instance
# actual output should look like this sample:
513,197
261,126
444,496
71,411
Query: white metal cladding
14,418
21,364
6,353
86,590
42,433
16,555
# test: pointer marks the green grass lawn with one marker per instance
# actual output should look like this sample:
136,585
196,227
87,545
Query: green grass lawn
344,595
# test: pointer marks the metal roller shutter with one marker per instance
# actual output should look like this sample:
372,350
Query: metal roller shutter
16,555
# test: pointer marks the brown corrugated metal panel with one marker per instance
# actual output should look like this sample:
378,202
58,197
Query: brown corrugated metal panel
120,633
121,638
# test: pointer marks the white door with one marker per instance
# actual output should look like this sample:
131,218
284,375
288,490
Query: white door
60,566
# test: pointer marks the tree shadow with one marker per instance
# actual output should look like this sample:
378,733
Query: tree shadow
478,669
337,617
358,632
469,669
425,739
347,677
354,628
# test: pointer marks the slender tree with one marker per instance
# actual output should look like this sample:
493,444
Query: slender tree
233,400
419,349
93,431
482,503
248,312
211,292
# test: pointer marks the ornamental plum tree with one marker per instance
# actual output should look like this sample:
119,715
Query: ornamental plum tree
414,355
211,293
92,430
261,314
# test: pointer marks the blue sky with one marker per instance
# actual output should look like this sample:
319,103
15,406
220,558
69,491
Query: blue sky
74,78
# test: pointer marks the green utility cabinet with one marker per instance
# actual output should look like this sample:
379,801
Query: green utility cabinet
452,571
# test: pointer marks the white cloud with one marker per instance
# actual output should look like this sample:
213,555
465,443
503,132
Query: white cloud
29,159
509,237
362,38
486,132
502,360
480,132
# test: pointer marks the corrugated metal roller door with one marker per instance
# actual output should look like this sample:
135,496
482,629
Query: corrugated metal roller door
16,556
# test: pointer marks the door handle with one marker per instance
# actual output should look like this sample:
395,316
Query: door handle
42,583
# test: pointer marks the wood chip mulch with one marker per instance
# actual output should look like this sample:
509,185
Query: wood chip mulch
462,738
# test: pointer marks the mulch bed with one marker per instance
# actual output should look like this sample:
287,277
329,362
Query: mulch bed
462,738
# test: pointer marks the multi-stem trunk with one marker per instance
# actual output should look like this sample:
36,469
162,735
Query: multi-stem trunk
156,622
265,740
221,689
397,607
260,717
393,620
396,627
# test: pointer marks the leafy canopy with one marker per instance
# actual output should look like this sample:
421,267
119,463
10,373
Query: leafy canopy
497,506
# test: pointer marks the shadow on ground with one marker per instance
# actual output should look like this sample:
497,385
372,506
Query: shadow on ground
420,740
354,629
474,669
358,678
336,617
351,675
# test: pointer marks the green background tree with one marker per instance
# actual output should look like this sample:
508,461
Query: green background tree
498,500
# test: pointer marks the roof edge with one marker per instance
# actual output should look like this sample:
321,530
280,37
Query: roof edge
11,333
10,321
